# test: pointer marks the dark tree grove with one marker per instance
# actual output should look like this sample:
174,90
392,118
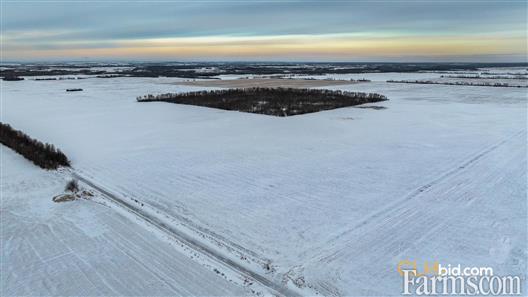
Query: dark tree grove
10,76
269,101
44,155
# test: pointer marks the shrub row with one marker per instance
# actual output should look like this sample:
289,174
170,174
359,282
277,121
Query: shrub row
518,77
44,155
269,101
457,83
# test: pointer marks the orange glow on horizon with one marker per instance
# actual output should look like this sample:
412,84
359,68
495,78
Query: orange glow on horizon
263,47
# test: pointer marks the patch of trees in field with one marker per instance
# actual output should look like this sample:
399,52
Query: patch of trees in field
269,101
457,83
12,77
44,155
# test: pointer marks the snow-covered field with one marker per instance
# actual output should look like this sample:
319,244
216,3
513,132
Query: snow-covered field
330,200
83,248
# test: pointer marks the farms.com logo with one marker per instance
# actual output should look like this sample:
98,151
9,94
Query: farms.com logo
433,278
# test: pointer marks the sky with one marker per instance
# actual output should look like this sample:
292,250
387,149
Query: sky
270,30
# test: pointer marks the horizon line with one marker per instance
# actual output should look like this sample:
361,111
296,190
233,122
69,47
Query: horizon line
259,61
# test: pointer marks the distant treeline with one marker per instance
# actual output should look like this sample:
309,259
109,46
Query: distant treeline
477,72
211,69
269,101
44,71
312,78
77,78
485,77
504,73
44,155
61,78
457,83
110,76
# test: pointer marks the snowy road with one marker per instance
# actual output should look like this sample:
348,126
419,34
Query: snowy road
195,244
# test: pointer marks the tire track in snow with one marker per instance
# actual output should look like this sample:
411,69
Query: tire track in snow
191,242
466,194
393,206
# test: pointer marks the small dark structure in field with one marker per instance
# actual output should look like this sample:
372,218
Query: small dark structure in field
44,155
73,90
72,186
269,101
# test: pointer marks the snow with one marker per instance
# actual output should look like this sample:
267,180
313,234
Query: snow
336,198
84,248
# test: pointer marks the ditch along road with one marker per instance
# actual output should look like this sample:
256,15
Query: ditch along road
188,240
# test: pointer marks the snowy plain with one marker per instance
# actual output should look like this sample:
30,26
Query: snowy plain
84,248
332,200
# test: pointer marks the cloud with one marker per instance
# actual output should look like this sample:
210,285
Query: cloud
212,29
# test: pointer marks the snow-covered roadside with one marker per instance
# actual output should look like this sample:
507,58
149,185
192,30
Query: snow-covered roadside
84,248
